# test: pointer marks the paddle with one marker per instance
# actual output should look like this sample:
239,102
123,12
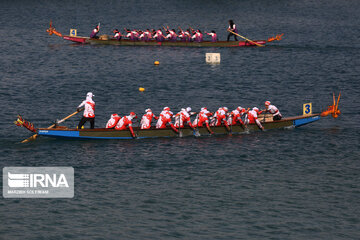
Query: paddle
246,38
33,137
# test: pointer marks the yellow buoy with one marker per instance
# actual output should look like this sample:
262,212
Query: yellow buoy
141,89
156,62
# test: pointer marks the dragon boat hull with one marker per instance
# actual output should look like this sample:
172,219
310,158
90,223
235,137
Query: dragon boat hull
102,133
126,42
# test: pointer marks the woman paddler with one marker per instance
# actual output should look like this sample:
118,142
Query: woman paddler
94,32
232,27
89,111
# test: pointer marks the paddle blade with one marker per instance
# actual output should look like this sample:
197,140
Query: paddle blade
32,138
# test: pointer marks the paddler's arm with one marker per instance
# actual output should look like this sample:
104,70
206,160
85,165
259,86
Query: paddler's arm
174,128
259,124
79,107
208,128
132,131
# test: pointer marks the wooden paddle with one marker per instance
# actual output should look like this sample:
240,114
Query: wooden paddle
245,38
33,137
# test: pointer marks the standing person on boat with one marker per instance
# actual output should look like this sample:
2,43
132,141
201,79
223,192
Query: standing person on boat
252,117
232,27
213,36
273,110
203,117
126,122
114,119
147,119
95,31
117,34
89,111
165,118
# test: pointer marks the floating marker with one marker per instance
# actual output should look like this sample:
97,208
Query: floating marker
141,89
156,62
212,57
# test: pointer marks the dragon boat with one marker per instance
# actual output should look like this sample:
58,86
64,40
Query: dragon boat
57,131
106,40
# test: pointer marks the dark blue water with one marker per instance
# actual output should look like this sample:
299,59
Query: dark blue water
282,184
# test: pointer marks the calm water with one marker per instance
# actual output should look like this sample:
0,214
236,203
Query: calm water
282,184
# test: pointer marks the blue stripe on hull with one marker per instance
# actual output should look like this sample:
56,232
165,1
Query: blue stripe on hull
303,121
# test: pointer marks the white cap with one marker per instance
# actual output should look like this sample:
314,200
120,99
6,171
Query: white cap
90,94
148,110
240,108
188,109
225,109
166,108
255,109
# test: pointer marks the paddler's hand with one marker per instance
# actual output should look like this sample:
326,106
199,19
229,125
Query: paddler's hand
78,109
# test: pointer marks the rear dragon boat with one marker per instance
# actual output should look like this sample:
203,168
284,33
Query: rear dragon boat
105,40
102,133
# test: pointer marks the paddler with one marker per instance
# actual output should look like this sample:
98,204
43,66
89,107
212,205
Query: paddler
183,117
220,117
95,31
165,118
235,116
232,27
198,36
159,36
114,119
203,117
117,34
147,119
252,117
89,111
126,122
273,110
213,36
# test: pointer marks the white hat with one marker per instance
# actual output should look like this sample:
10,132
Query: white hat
240,108
188,109
255,109
90,94
148,110
225,109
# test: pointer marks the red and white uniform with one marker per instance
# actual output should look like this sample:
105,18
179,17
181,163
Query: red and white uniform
220,117
203,117
124,122
252,117
183,117
164,118
273,110
89,111
235,116
113,121
147,118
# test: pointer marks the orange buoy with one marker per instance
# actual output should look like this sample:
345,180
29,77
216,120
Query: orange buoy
141,89
156,62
